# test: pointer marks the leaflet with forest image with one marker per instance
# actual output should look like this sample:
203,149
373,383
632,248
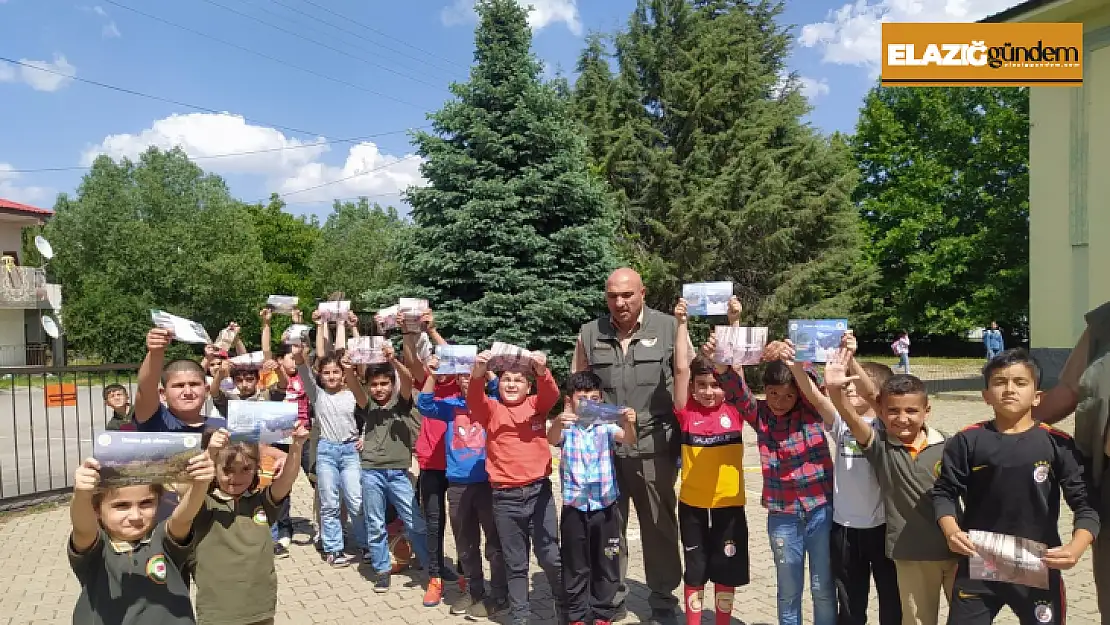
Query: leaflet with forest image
129,458
263,422
387,318
282,304
509,357
739,345
366,350
252,360
296,334
334,311
815,340
412,309
1005,558
184,330
591,412
455,359
706,299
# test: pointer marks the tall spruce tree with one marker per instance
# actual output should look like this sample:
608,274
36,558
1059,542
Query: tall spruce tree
514,236
715,173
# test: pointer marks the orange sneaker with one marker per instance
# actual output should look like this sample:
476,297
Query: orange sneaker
434,594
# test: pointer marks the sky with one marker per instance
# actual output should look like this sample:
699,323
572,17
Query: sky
313,99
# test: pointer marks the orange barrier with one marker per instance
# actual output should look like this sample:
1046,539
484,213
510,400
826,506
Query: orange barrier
61,395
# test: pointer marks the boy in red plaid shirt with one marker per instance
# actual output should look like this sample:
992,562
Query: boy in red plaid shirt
797,475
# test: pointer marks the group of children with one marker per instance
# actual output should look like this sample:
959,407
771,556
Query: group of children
891,498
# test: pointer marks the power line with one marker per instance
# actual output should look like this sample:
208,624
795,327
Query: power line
345,178
346,199
360,36
232,154
385,34
323,45
264,55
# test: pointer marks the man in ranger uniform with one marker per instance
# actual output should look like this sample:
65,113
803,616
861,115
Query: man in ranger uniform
631,350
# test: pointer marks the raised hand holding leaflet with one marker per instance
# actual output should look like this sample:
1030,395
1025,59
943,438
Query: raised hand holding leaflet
1005,558
412,310
366,350
508,357
816,339
128,458
705,299
387,318
296,334
739,346
282,304
184,329
252,360
334,311
262,422
591,412
455,359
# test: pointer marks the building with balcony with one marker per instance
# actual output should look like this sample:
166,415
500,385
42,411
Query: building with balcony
1069,198
25,295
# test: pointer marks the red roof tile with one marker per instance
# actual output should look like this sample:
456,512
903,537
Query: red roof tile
24,208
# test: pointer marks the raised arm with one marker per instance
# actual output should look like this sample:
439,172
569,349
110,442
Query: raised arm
340,335
147,398
321,334
283,483
350,376
266,314
547,390
560,423
477,402
836,379
404,374
865,387
784,351
201,471
408,352
681,361
428,321
82,515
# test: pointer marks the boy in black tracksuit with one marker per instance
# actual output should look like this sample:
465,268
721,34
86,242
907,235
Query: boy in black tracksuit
1010,472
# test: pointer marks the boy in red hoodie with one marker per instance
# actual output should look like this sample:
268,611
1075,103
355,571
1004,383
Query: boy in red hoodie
518,460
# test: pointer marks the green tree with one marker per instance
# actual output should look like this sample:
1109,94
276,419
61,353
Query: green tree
156,233
288,244
944,194
715,174
357,249
513,235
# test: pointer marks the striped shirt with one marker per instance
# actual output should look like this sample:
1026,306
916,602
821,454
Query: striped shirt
797,465
586,466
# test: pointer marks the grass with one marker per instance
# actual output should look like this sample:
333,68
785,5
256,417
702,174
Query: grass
82,380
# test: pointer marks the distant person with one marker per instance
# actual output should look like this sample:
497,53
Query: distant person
118,400
992,340
901,348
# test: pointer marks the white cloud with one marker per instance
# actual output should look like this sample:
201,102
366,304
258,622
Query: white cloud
812,88
10,189
386,176
110,31
56,75
287,164
99,10
852,34
544,13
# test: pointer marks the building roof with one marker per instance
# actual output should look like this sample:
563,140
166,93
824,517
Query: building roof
10,206
1016,11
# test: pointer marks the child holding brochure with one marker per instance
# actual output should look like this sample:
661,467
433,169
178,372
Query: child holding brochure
711,517
590,525
234,559
115,528
1010,472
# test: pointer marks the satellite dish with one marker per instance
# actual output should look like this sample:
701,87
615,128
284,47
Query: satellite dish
50,327
44,248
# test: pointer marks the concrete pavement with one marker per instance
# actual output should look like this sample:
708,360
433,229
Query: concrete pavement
40,589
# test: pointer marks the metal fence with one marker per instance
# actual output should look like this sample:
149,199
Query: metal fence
49,417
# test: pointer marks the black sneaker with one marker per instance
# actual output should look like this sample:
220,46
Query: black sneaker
448,574
488,608
662,617
620,614
339,560
280,551
381,582
463,604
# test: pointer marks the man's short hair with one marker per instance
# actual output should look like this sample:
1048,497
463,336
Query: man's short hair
903,384
583,382
181,365
776,373
702,366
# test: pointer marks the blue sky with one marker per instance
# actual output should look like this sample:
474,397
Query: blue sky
308,72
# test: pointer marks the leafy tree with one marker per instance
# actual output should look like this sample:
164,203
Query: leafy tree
356,251
156,233
715,174
288,244
944,194
513,235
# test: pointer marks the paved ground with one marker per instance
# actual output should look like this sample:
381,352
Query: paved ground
40,589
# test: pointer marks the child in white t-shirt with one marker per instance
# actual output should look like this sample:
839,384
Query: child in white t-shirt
858,536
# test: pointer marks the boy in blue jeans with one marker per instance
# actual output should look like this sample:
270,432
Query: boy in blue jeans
797,475
386,456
